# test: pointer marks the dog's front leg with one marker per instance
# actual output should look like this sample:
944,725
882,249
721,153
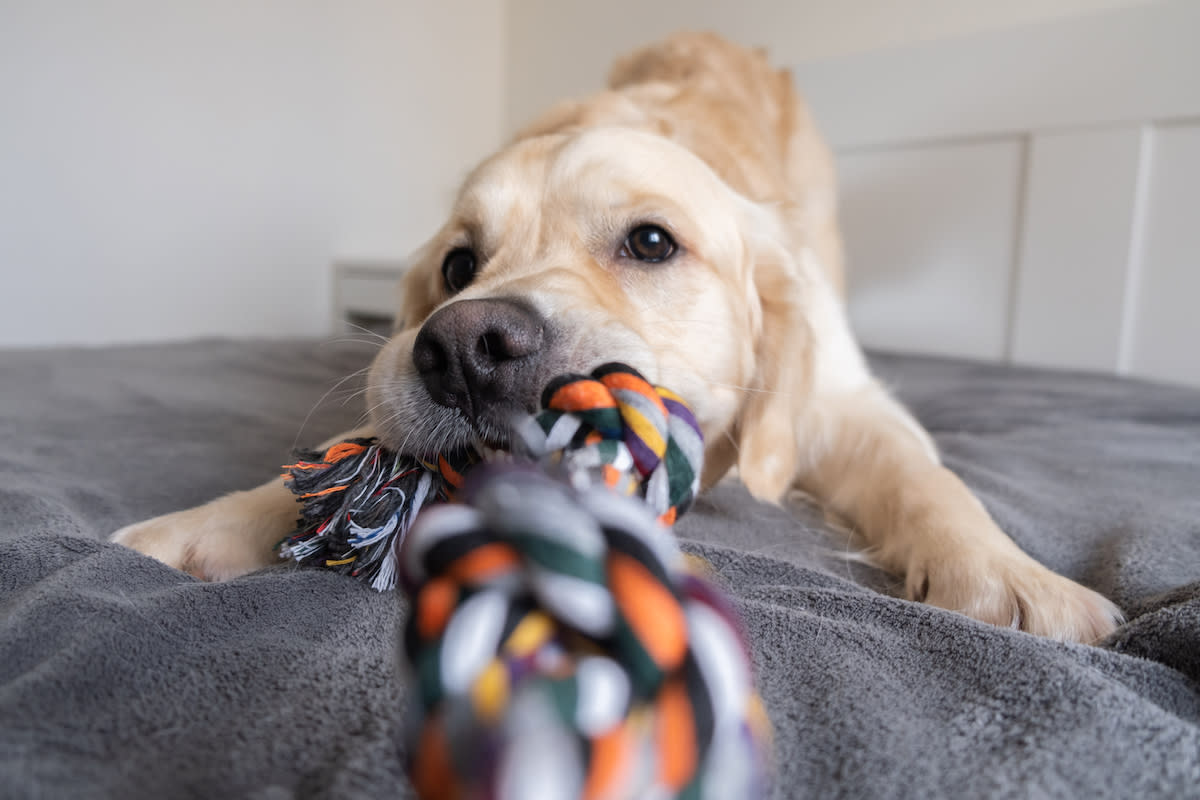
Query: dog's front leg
226,537
879,469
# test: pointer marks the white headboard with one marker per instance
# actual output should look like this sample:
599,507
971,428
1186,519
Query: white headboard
1029,195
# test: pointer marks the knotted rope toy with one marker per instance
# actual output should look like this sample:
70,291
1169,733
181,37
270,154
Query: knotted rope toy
560,646
359,499
637,438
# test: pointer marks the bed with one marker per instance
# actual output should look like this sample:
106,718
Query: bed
121,677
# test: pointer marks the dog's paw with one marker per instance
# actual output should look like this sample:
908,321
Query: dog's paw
223,539
1012,590
171,538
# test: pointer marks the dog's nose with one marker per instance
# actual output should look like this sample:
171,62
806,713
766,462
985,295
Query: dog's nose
477,355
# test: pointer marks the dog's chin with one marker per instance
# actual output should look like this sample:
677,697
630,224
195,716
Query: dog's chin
426,429
493,432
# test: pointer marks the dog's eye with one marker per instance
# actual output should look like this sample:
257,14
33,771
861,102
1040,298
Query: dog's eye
648,243
458,270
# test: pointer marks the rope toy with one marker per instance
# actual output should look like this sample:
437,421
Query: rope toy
637,438
558,644
359,499
560,648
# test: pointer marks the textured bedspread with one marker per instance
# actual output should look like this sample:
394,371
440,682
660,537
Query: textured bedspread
120,677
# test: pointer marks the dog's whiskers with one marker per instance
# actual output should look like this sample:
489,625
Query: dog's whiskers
375,334
354,395
352,340
317,404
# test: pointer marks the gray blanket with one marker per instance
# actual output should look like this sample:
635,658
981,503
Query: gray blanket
120,677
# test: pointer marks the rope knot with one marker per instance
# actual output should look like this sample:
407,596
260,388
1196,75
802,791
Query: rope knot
561,648
617,427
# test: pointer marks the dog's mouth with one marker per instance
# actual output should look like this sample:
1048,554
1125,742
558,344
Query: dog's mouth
434,395
492,440
450,430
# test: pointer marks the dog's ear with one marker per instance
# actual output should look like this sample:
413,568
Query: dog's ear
766,430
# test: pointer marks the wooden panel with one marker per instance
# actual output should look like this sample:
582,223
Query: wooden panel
929,234
366,289
1076,247
1165,340
368,294
1126,65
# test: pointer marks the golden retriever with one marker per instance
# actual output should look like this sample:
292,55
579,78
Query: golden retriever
683,221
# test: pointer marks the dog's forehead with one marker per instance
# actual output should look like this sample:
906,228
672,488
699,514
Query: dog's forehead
597,168
632,158
509,181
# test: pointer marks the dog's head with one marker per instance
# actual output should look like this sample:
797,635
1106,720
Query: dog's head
566,251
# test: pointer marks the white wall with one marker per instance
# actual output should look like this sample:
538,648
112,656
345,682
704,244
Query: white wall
172,169
559,49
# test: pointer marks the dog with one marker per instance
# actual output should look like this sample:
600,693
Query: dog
684,221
